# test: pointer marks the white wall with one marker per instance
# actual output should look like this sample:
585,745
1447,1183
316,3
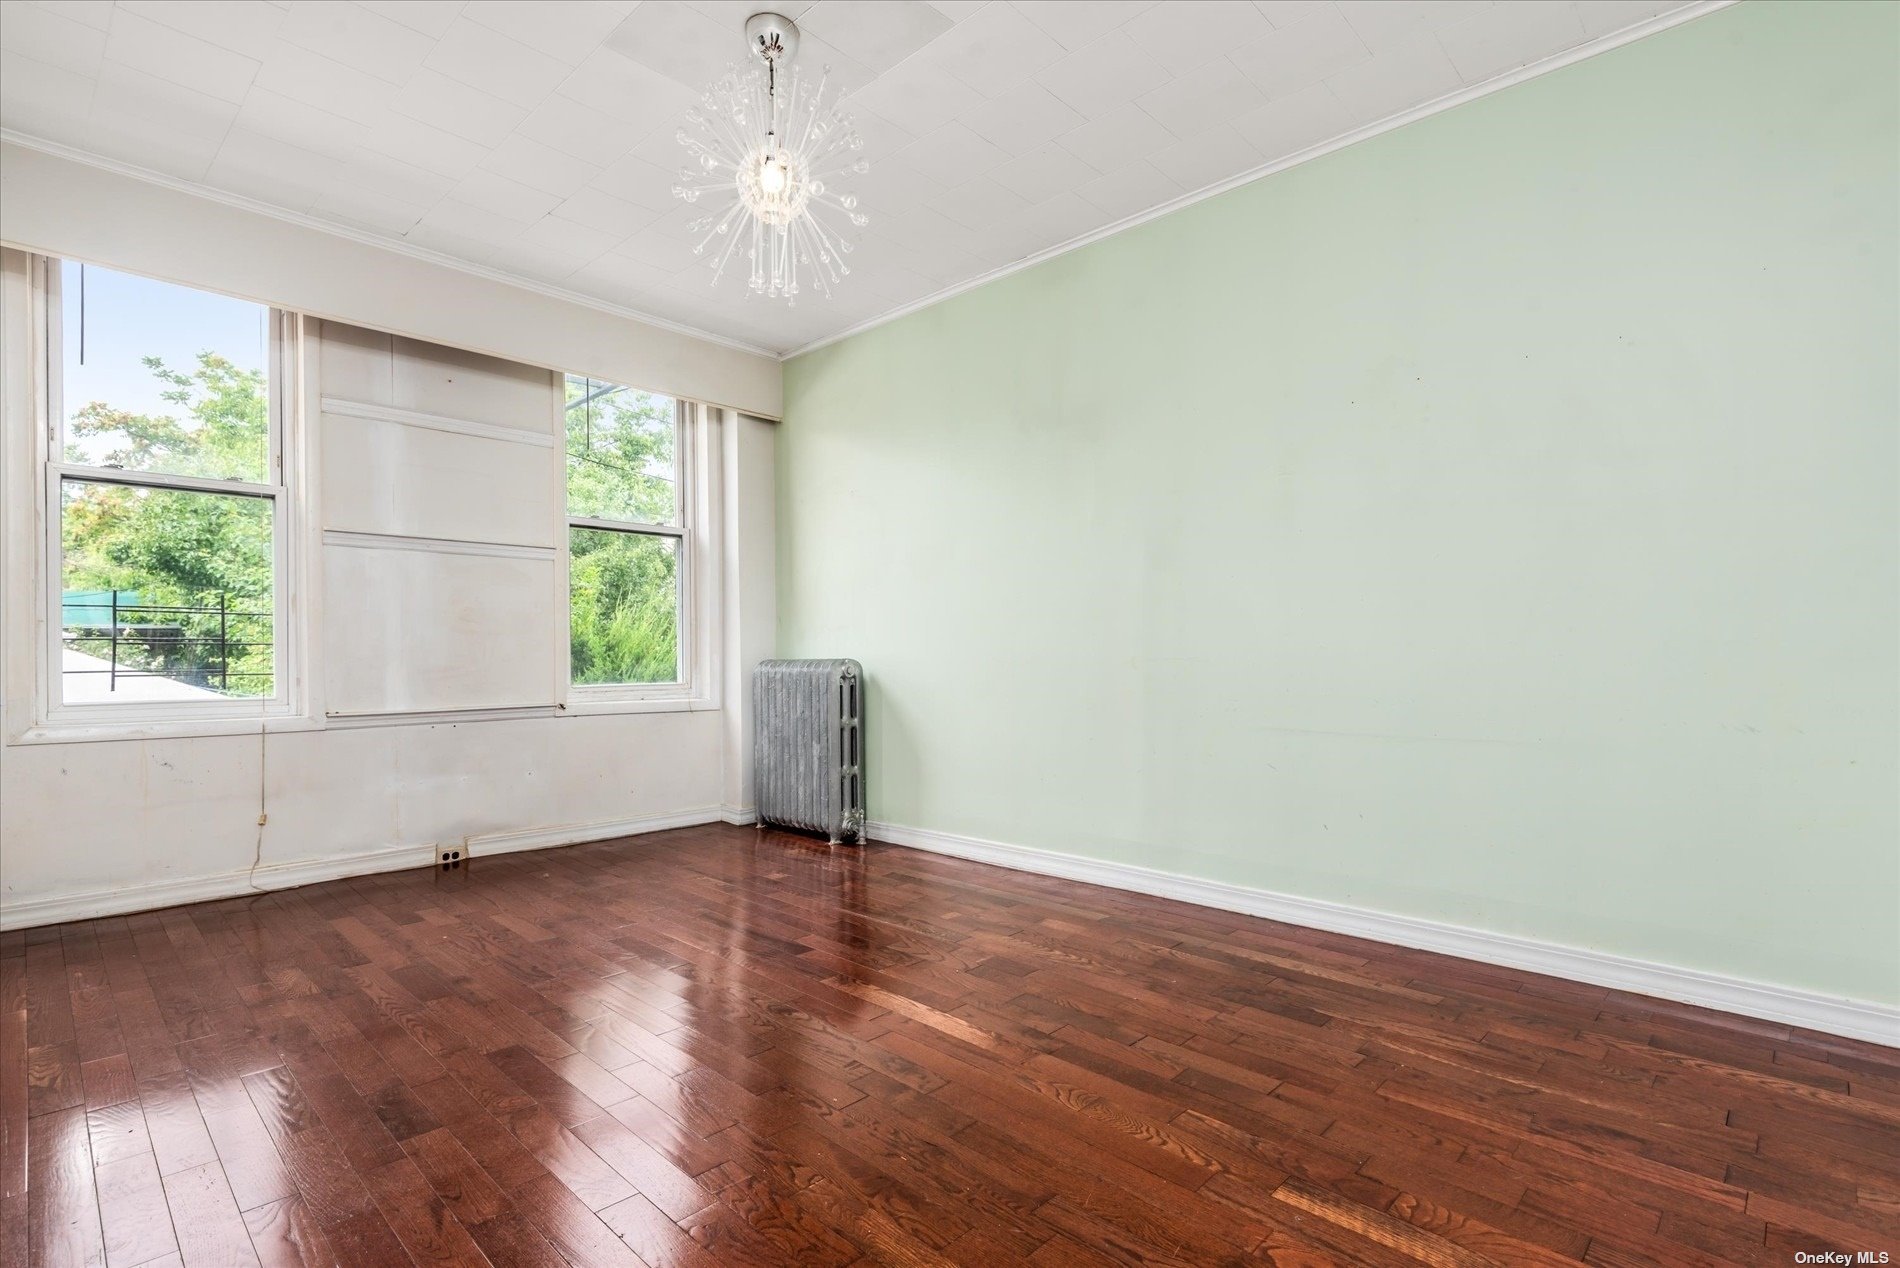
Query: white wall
116,825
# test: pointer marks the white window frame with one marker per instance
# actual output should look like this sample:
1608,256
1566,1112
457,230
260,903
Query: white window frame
696,569
51,717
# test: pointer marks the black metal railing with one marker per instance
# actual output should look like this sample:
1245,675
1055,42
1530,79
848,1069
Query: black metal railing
139,639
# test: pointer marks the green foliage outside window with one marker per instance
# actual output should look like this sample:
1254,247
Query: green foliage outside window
207,557
623,587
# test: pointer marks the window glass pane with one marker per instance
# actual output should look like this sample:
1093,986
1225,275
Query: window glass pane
165,594
621,453
623,600
156,377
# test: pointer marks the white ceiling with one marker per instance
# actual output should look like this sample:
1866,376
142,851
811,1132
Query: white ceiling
536,137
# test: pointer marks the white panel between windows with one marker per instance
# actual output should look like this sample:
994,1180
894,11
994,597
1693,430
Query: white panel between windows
441,518
413,480
408,628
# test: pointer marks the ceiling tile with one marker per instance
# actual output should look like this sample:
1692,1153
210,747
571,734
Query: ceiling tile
435,99
497,64
1287,12
1507,36
366,209
141,119
437,236
619,86
556,233
619,278
1025,117
539,166
351,34
1396,79
917,97
96,14
1119,136
511,200
1302,53
957,10
733,13
580,130
396,179
1110,72
297,123
41,35
1204,97
1131,189
598,209
470,222
1074,25
569,32
183,59
995,49
430,17
924,226
125,93
1601,17
1217,154
1382,24
1295,122
250,29
264,167
1046,224
952,154
979,202
44,100
876,33
1044,173
1183,34
894,187
422,146
820,62
317,81
679,41
637,181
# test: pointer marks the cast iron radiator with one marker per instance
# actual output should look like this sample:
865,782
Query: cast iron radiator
808,745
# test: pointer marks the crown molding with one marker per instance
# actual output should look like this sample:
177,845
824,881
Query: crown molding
336,229
1602,44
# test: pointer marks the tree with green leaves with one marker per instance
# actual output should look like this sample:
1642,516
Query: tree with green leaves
193,553
624,587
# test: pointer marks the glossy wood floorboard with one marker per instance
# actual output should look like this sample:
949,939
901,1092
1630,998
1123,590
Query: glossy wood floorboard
723,1047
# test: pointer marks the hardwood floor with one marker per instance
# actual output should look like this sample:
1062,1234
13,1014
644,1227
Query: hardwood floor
723,1047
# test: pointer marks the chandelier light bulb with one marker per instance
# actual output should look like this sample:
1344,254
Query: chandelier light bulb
769,146
772,176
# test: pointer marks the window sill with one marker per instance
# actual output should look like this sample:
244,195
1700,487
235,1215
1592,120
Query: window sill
179,729
599,706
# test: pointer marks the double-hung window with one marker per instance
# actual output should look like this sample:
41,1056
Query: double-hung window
165,499
630,499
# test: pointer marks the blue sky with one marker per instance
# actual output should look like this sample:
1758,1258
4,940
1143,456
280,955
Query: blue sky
129,317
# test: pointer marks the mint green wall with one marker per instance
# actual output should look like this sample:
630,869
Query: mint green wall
1492,522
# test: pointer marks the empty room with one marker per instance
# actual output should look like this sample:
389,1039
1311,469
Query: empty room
854,633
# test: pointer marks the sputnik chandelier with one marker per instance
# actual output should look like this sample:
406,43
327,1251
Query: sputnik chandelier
765,139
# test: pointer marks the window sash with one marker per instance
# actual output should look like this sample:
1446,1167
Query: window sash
688,671
57,471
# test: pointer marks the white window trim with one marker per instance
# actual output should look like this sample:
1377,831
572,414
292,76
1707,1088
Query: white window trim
32,475
696,447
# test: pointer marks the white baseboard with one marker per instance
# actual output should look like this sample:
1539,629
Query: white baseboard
32,912
1858,1019
743,816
